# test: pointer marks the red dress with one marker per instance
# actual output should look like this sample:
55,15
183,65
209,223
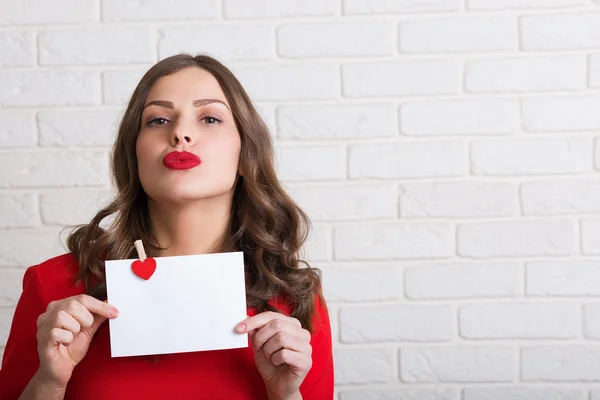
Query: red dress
222,374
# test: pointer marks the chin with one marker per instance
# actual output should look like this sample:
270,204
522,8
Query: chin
182,195
182,198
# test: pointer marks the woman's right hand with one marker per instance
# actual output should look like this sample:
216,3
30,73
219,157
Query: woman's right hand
65,332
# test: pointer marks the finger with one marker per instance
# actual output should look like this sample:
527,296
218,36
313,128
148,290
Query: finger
294,359
66,321
59,336
98,320
71,318
77,311
41,320
97,307
273,328
284,340
55,336
260,320
251,340
52,305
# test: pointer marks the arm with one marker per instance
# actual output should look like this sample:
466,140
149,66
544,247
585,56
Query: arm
293,363
41,389
51,342
318,384
20,361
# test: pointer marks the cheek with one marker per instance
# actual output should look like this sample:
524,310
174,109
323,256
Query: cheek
226,153
145,149
234,158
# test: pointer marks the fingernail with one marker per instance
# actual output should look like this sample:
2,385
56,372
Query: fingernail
240,328
113,312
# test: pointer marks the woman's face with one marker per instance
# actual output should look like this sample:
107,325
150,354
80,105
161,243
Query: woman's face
188,147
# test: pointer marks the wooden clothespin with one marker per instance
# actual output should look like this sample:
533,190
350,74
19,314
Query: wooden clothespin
139,246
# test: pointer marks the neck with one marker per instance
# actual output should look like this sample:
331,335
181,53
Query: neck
193,228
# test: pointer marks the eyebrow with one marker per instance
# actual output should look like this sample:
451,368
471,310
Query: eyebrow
195,103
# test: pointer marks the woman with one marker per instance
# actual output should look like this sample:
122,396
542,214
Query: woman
193,169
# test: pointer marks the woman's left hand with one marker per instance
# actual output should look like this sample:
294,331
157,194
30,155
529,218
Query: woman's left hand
282,352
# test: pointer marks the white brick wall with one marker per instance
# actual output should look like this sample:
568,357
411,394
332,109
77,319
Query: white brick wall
33,88
561,197
400,78
70,207
19,48
86,128
365,366
515,157
458,364
459,200
402,394
290,82
362,283
519,321
458,35
563,278
33,12
19,210
535,74
118,85
372,38
255,42
594,70
234,9
560,32
338,203
591,328
517,238
460,117
153,10
397,323
407,160
340,121
447,151
18,129
453,281
522,394
20,248
393,241
80,47
397,6
566,363
53,169
520,4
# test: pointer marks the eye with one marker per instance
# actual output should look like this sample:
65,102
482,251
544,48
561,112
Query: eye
211,120
157,122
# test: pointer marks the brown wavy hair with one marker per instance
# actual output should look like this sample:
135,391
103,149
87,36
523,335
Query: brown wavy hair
265,223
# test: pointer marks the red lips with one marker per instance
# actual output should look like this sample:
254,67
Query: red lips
181,160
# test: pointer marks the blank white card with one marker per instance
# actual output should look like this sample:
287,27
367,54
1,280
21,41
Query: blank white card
190,303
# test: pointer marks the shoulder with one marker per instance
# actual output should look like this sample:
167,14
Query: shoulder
320,317
57,277
53,279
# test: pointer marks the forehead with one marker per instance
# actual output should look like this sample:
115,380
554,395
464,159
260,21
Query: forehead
187,85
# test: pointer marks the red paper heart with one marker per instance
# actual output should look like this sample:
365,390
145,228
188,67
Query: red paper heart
144,269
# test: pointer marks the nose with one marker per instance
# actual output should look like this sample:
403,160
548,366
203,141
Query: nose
179,137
